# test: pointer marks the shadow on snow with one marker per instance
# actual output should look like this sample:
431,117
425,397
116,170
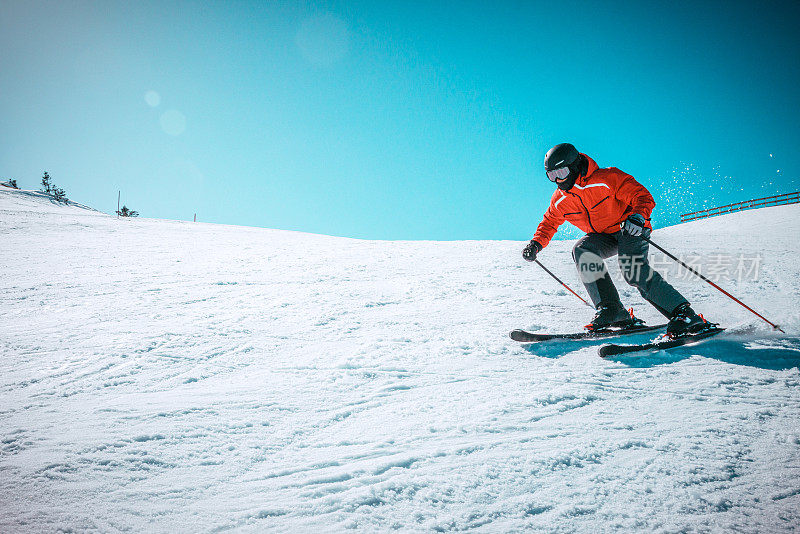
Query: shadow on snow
764,353
773,354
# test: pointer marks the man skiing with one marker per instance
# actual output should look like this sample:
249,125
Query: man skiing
614,211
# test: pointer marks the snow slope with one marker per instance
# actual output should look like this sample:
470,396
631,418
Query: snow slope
167,376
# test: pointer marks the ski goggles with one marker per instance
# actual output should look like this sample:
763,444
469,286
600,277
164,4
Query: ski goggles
558,174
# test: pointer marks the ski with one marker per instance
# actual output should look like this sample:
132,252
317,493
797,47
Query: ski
658,344
530,337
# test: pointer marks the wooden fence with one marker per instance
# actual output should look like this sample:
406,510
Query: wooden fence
777,200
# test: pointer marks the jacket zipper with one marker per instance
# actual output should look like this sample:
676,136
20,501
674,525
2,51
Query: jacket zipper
588,217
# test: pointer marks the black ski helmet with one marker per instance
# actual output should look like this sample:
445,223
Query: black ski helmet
564,155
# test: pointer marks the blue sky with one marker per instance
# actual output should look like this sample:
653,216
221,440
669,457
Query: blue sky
395,120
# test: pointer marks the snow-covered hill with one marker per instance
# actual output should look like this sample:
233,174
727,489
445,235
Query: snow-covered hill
167,376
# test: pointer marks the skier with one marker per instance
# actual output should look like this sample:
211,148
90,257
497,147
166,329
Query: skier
614,211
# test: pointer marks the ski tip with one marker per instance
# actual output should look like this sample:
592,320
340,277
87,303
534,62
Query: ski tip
518,335
606,350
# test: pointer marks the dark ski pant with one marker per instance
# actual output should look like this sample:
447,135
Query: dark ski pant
589,253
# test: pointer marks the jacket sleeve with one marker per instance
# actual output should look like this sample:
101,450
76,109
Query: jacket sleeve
635,195
549,225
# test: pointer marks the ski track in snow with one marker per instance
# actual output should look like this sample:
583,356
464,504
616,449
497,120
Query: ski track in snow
176,377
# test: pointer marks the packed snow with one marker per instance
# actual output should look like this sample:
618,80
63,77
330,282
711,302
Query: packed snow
169,376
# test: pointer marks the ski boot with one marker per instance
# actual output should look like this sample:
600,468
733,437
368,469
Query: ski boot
609,316
685,321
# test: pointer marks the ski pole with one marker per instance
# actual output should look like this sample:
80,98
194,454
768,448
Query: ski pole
773,325
562,283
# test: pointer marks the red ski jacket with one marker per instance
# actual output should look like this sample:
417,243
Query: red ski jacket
597,203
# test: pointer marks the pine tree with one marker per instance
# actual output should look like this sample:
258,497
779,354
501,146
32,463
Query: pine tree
47,186
59,194
125,212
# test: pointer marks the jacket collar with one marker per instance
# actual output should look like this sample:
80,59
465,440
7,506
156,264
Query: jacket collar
592,167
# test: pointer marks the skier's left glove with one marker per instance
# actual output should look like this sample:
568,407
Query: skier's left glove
634,226
531,250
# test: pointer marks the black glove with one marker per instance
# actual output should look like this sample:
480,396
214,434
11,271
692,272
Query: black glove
634,225
531,250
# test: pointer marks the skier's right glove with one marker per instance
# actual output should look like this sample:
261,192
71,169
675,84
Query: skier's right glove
634,226
531,250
